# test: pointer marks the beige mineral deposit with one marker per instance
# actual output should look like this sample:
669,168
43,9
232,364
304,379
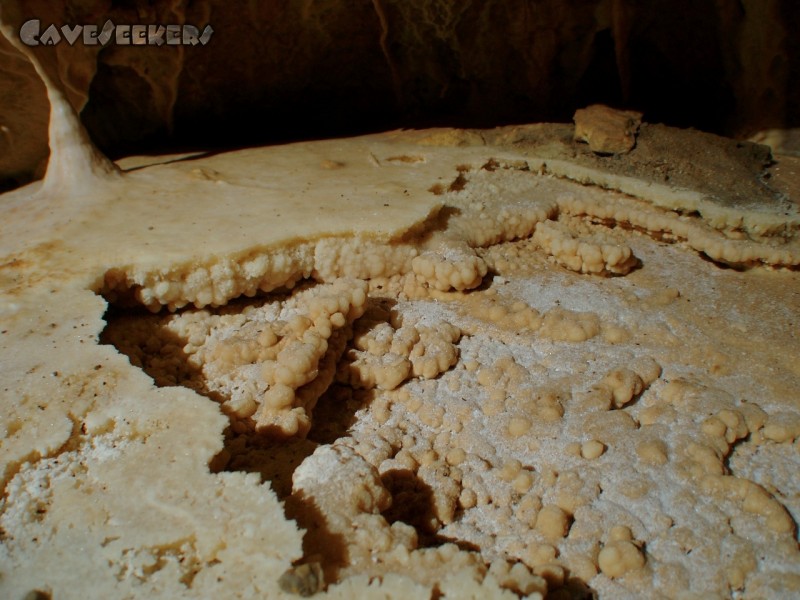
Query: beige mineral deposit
417,364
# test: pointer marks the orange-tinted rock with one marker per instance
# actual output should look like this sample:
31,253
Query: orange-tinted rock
607,131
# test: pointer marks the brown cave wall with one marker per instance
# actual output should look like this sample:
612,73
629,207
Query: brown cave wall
289,69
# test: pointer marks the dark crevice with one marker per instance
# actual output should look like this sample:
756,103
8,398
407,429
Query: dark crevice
412,504
321,545
726,461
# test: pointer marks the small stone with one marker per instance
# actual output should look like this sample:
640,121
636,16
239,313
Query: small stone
303,580
607,130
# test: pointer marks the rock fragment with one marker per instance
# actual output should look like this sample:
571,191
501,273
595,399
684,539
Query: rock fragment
607,130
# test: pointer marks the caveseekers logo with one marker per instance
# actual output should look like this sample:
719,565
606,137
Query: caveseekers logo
31,34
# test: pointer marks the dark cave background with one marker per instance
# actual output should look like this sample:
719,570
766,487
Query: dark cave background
282,70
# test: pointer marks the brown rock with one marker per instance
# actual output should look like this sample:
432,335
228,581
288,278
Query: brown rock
23,119
606,130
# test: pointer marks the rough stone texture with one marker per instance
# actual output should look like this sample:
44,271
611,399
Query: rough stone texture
607,131
278,70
